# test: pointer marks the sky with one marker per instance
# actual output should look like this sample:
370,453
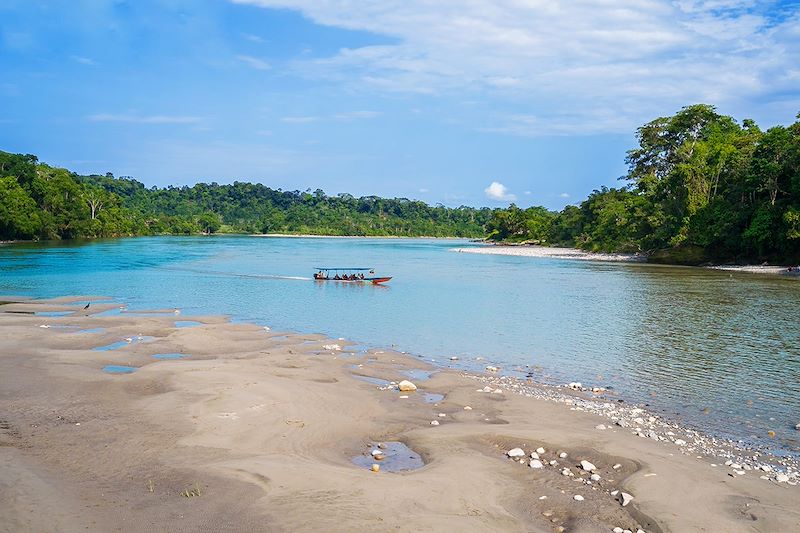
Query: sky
473,102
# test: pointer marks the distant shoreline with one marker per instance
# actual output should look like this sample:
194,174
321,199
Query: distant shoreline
317,236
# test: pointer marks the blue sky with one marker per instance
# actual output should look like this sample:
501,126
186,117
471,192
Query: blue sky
477,103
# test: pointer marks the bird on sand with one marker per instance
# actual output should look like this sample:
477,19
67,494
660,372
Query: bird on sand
87,305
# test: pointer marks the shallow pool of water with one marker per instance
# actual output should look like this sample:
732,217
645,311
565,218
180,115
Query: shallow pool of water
397,458
187,323
121,344
170,356
119,369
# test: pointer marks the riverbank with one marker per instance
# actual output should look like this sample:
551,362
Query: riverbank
255,430
551,252
315,236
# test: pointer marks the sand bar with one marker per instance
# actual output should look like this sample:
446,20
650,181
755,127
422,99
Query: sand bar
550,251
256,430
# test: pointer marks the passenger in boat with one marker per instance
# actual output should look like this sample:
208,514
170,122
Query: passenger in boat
352,277
336,277
361,276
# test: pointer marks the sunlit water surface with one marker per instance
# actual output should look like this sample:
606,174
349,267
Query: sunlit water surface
715,350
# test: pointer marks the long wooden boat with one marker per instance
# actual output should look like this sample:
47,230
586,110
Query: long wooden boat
349,275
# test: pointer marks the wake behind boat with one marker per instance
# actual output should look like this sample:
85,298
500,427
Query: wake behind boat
349,275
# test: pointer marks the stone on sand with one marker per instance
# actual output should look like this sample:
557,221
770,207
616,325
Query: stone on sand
515,453
625,498
589,467
535,463
406,386
578,498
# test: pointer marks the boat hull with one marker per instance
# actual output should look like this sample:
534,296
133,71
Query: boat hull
374,281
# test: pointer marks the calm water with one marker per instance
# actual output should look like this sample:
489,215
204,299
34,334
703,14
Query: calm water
717,351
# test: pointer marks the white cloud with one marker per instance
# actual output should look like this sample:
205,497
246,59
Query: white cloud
299,120
254,62
423,190
253,38
528,193
498,192
564,195
144,119
84,60
357,115
584,66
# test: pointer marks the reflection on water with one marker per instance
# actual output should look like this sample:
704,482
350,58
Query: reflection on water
717,350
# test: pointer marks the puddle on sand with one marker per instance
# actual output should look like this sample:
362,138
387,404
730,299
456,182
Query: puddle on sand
187,323
375,381
397,458
119,369
418,375
92,330
121,344
170,355
432,397
53,313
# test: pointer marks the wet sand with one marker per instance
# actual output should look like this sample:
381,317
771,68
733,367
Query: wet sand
257,430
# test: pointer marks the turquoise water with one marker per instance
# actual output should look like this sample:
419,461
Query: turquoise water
715,350
169,356
119,369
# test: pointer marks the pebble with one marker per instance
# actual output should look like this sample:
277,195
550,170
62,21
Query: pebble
781,478
589,467
492,369
377,452
617,466
680,442
515,453
442,415
595,477
403,397
625,498
434,422
539,450
578,498
542,497
797,427
375,468
535,463
406,386
467,408
600,426
534,455
563,455
617,530
454,358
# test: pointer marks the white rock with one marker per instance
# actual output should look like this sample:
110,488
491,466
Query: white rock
487,388
491,368
625,498
334,347
614,492
553,463
44,326
497,391
403,397
600,427
578,498
434,422
589,467
797,427
566,472
515,453
467,408
617,466
736,466
575,385
406,386
534,455
766,468
617,530
536,463
563,455
680,442
377,452
781,478
442,415
454,358
540,450
542,497
639,421
595,477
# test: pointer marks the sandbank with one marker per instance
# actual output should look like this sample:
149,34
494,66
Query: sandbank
256,430
548,251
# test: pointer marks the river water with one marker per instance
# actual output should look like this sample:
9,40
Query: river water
717,351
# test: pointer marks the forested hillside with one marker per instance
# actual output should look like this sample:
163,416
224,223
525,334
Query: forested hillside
700,187
41,202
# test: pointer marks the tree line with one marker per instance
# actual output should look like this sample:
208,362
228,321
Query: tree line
700,187
42,202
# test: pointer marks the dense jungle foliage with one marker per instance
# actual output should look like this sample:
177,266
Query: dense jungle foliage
700,187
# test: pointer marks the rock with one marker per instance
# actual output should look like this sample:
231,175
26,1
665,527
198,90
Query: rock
600,427
497,391
781,478
575,385
617,530
379,457
375,468
680,442
515,453
406,386
334,347
563,455
639,421
542,497
595,477
797,427
467,408
534,455
536,463
553,463
434,422
454,358
44,326
567,472
614,492
578,498
589,467
403,397
491,368
766,468
442,415
625,498
377,452
540,450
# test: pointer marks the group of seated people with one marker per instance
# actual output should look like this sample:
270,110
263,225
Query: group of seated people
343,277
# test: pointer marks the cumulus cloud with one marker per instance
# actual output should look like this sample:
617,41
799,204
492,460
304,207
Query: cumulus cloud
564,195
613,65
498,192
143,119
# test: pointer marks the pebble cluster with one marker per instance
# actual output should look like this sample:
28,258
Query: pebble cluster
584,472
721,452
